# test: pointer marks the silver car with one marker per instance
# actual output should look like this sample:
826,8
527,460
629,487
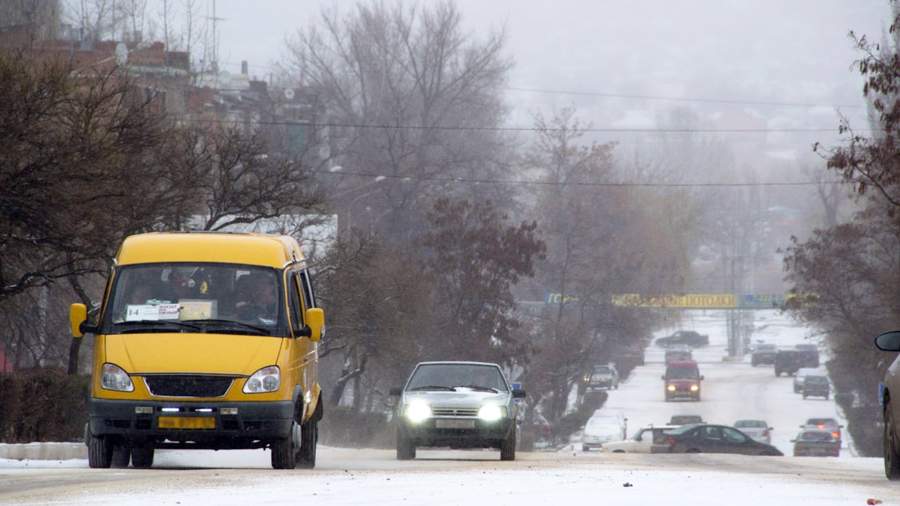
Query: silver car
457,404
758,430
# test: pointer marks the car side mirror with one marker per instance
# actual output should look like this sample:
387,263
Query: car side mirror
771,428
888,341
518,394
701,377
793,440
663,377
315,322
395,391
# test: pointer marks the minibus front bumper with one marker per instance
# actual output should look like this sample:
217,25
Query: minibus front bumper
212,425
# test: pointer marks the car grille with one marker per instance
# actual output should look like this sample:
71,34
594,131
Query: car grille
184,385
454,411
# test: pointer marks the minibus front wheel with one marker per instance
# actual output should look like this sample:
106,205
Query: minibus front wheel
100,450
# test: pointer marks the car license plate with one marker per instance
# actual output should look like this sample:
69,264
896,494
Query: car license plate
454,424
186,422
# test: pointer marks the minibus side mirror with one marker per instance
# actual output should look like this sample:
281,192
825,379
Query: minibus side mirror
77,316
396,391
315,322
518,394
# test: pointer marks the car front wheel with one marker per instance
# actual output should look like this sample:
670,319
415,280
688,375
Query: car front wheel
508,447
406,449
891,457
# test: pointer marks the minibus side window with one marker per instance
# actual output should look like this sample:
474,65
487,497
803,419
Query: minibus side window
294,301
308,294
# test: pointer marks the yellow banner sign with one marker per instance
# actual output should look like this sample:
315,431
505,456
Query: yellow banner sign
688,300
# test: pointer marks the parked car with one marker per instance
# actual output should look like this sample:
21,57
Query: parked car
763,354
679,420
758,430
809,355
787,362
816,386
679,353
826,424
686,337
602,377
816,443
890,341
682,381
601,429
715,439
646,440
457,404
802,373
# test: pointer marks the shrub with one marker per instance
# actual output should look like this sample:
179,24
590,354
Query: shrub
42,405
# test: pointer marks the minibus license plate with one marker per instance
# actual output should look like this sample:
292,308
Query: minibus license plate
454,424
187,422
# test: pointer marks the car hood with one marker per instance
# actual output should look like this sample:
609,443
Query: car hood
459,399
192,353
603,431
682,382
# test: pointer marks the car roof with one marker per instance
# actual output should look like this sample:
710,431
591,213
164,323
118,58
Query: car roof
683,363
456,362
750,420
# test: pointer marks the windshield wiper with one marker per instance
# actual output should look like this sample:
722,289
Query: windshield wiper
231,323
480,388
155,325
434,387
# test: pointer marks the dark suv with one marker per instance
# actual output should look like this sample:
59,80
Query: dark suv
787,362
809,355
684,337
764,354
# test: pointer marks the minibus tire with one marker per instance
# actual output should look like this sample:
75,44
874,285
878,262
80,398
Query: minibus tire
142,457
309,438
284,452
121,456
99,452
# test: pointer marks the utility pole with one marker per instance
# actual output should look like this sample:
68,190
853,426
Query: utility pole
214,57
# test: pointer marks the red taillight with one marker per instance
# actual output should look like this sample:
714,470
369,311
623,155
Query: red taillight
821,426
836,435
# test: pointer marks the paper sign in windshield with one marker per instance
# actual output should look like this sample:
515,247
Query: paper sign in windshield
141,312
197,309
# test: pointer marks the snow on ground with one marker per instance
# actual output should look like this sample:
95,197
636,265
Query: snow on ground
730,391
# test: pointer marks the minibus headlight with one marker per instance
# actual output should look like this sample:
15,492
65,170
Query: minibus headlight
267,379
116,379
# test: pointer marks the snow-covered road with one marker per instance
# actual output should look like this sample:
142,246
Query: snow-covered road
731,391
348,476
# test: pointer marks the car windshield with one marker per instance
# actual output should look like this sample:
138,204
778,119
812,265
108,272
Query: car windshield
685,419
819,380
602,369
823,422
766,347
222,298
750,424
457,377
682,373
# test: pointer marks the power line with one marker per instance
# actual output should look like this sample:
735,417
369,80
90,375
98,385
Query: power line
514,128
678,99
527,182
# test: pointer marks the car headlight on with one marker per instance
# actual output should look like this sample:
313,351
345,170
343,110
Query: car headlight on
417,411
267,379
115,378
491,413
670,388
695,388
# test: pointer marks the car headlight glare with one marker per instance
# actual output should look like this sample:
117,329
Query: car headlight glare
267,379
490,413
417,411
670,388
695,388
115,378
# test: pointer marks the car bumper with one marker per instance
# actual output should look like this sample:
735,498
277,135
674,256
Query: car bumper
481,435
817,451
816,393
677,395
253,426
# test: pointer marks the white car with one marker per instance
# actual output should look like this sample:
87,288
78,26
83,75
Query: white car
758,430
642,442
602,429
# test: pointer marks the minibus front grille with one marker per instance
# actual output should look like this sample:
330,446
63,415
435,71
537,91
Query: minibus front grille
184,385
